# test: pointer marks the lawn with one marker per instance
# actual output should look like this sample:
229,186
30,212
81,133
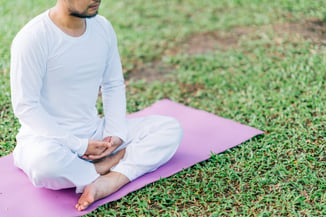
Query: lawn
258,62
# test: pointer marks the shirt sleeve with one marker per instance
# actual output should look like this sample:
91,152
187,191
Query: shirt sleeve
28,66
113,94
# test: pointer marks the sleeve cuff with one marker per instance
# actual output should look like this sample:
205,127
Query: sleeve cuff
83,146
122,137
78,145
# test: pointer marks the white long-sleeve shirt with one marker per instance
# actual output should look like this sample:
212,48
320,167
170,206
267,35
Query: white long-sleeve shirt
55,79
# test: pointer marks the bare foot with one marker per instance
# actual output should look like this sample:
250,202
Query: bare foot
102,167
100,188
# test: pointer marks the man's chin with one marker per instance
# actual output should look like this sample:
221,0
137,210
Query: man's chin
92,15
84,15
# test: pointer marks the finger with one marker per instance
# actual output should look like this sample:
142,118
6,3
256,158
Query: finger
107,139
105,144
94,157
99,156
94,145
85,157
105,153
116,141
101,145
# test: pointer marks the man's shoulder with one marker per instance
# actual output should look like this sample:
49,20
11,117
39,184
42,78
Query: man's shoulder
34,27
103,27
37,23
32,33
103,22
101,19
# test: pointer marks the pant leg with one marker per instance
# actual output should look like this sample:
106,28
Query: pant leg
52,165
151,142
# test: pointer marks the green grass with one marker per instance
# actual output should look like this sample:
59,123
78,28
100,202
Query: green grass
271,84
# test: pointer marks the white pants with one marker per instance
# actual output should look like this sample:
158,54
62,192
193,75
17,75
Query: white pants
151,142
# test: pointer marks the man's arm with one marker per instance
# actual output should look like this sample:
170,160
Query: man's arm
113,94
28,65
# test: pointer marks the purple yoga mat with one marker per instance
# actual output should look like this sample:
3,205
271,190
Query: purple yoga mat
204,133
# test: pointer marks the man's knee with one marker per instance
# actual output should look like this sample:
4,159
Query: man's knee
172,133
46,169
178,129
42,174
174,128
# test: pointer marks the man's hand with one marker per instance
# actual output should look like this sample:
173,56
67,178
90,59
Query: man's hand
95,149
113,140
99,149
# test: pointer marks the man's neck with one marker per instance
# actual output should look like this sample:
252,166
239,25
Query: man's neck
73,26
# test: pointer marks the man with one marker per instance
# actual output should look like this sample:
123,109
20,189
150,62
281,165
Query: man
60,59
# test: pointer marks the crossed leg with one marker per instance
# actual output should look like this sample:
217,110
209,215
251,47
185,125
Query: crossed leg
100,188
103,166
149,147
106,184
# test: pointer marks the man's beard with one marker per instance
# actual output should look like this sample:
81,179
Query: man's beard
82,15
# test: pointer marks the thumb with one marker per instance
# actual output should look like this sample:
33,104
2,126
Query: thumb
107,139
106,144
103,144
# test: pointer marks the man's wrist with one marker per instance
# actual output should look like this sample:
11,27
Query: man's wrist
83,147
